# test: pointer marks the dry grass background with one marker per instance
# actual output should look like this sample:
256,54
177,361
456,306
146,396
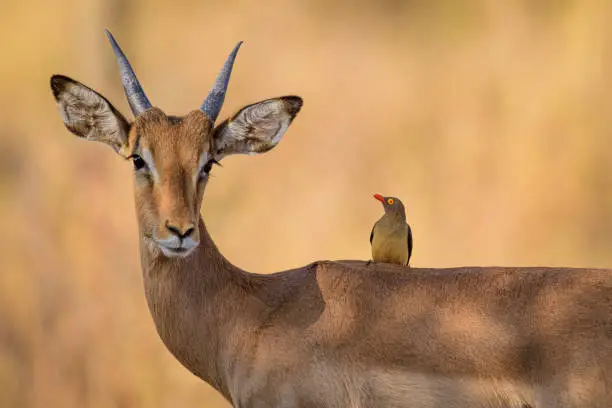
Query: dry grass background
489,119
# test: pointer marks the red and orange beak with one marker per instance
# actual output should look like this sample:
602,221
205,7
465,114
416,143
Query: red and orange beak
379,198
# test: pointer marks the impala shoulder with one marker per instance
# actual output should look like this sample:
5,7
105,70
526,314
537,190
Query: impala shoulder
335,279
328,269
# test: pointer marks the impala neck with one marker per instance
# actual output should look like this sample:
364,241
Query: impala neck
205,255
194,302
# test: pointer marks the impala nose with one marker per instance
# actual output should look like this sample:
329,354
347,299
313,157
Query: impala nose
182,233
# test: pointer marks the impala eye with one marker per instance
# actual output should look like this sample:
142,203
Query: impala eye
138,162
208,166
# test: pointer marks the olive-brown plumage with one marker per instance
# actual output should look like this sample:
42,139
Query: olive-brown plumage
391,236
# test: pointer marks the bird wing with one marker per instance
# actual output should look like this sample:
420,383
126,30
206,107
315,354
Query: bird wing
372,233
409,242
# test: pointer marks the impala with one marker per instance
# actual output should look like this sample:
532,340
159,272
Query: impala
335,334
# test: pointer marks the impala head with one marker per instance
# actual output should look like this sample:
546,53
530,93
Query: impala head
172,156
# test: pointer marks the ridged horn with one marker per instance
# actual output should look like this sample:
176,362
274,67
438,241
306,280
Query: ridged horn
133,91
214,101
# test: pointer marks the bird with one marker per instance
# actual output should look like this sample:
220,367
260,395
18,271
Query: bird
391,236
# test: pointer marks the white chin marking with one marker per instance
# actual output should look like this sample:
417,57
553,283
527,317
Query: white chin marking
176,253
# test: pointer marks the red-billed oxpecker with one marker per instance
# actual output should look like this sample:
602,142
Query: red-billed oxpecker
391,237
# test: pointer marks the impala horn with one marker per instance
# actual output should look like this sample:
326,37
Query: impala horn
135,95
213,102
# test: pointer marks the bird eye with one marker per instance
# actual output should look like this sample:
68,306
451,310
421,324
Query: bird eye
390,201
138,162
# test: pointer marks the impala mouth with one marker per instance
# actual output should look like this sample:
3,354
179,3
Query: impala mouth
180,251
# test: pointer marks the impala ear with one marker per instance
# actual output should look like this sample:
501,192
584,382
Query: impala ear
89,115
256,128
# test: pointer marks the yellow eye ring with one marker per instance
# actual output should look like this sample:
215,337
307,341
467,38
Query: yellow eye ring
390,201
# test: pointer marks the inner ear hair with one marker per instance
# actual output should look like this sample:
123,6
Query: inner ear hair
90,115
256,128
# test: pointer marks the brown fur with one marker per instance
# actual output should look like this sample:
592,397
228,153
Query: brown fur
175,145
346,333
526,329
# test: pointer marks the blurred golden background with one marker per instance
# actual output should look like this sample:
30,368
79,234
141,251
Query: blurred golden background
489,119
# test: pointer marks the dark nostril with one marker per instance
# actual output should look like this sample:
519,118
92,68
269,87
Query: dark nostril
187,232
173,230
177,231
